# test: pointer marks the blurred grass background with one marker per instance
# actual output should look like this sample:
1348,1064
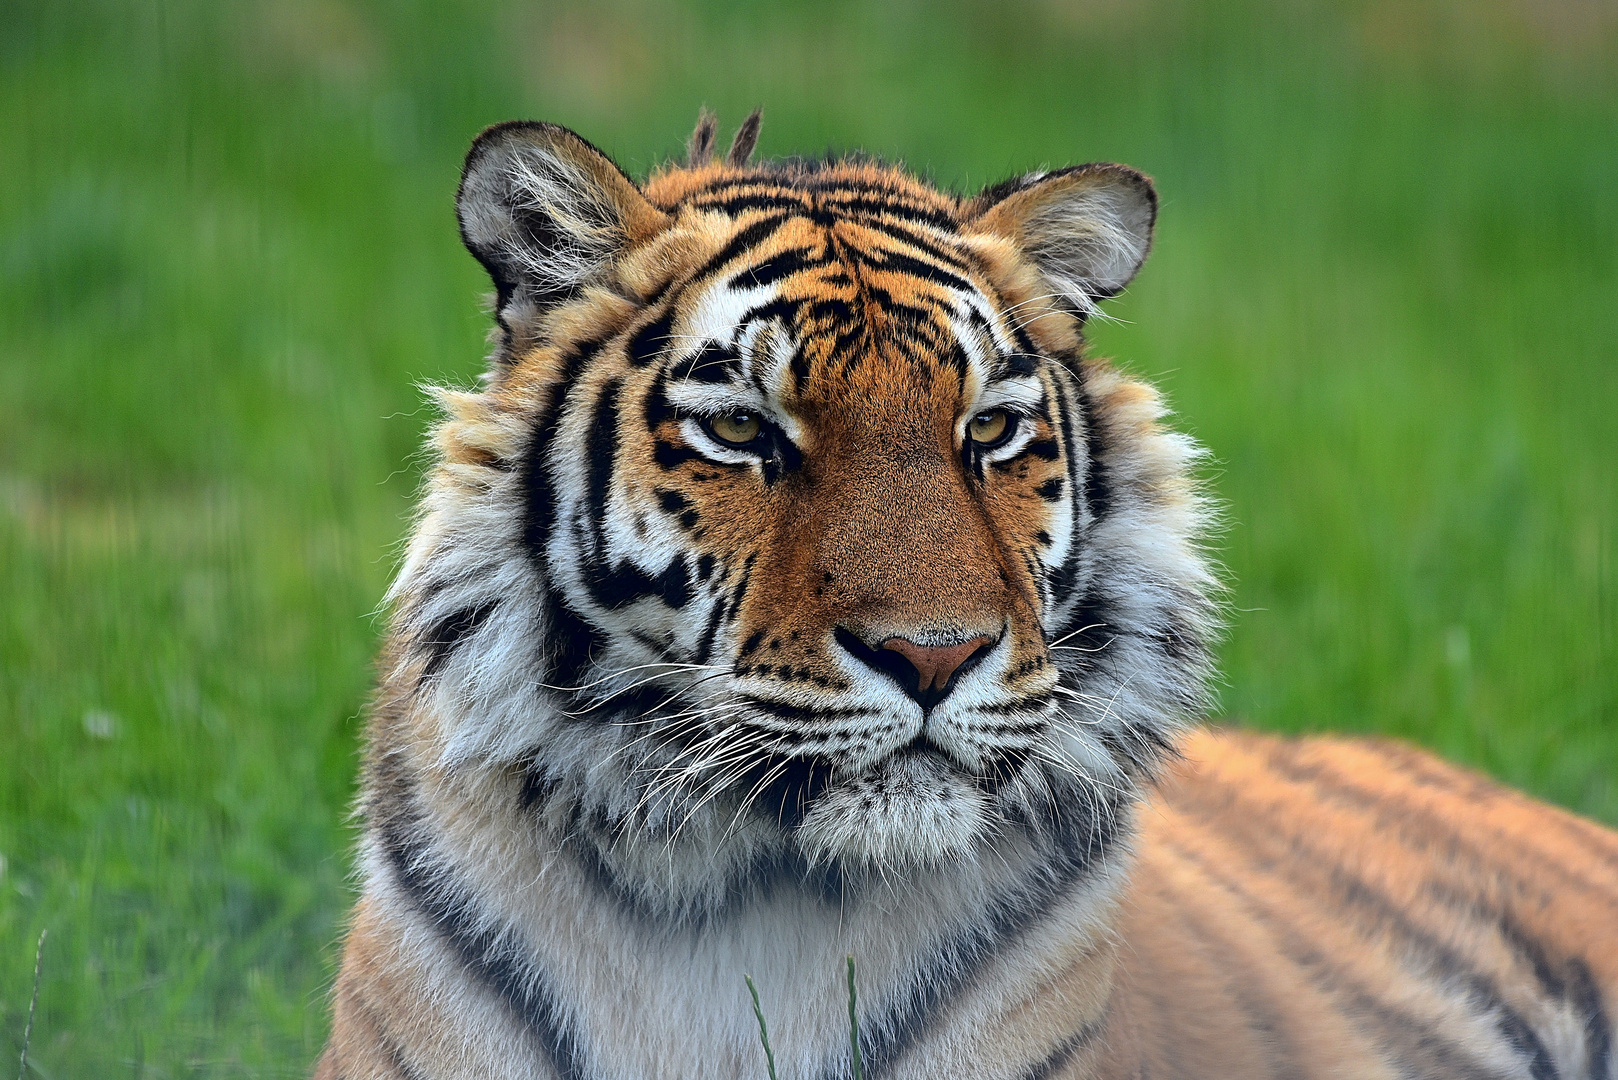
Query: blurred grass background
1384,293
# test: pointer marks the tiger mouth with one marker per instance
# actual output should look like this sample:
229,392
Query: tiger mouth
995,769
787,786
1027,719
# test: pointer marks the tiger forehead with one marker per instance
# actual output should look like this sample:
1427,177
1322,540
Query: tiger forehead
876,218
857,277
819,189
845,305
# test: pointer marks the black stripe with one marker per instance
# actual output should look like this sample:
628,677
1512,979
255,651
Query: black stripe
839,312
1063,402
1529,948
1044,449
1586,999
847,341
797,714
714,363
573,642
799,366
493,956
754,640
898,263
785,310
1600,845
1088,631
1003,765
928,245
447,634
540,511
741,588
877,214
745,238
1528,1044
1019,334
893,307
1059,1058
1136,747
601,447
618,585
804,194
657,408
669,456
537,785
1574,987
778,266
737,205
677,505
1027,707
650,340
1098,484
763,177
711,629
887,207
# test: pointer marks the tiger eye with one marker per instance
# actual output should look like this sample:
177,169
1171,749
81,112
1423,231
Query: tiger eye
988,427
737,427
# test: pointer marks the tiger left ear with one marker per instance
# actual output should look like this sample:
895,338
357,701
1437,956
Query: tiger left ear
1087,228
547,214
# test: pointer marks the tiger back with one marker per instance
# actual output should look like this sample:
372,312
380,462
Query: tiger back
796,587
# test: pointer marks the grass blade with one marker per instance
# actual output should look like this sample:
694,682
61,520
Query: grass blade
856,1064
33,1002
763,1032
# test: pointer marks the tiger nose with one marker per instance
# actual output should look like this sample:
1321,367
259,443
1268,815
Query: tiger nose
926,672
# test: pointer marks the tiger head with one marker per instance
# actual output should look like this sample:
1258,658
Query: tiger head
791,522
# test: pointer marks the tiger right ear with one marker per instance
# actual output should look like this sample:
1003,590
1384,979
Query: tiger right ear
546,214
1087,229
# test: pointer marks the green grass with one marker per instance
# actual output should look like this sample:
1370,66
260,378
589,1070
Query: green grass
1384,294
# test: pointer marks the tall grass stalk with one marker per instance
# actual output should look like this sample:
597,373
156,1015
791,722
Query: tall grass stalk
33,1003
856,1065
763,1031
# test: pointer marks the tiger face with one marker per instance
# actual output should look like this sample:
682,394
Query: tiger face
792,524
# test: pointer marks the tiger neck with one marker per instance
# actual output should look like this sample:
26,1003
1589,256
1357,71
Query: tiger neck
951,962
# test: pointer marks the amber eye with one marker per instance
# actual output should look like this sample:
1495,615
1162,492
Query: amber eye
736,429
990,429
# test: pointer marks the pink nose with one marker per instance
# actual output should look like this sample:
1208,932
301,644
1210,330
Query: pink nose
934,664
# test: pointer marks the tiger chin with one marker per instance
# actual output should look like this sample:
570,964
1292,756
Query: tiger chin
796,586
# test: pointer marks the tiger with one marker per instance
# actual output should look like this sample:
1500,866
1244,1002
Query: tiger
797,587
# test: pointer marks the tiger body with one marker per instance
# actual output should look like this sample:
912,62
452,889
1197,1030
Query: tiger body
795,588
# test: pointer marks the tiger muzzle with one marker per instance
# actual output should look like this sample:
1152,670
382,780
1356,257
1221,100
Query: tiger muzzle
927,673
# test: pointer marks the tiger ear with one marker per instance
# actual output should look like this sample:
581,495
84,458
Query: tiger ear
546,214
1087,228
